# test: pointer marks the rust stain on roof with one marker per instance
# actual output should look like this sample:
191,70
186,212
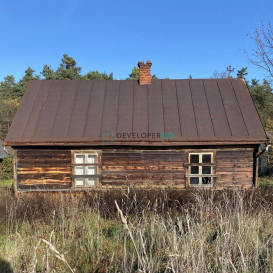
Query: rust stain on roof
79,112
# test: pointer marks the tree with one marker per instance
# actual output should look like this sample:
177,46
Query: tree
262,95
263,99
134,75
254,82
219,75
7,87
21,85
8,109
262,56
242,73
48,73
67,70
96,75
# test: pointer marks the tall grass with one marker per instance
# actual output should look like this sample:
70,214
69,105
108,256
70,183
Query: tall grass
138,231
7,183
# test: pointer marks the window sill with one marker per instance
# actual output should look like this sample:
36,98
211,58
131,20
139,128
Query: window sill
200,175
86,176
201,186
199,164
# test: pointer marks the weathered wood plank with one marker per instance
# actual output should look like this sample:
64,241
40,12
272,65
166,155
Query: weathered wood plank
35,185
105,169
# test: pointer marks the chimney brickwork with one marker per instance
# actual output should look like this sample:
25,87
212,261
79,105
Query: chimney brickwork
145,72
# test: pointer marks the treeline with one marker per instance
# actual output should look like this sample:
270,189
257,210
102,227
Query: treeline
261,93
11,91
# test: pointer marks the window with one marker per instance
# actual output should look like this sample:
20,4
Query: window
85,168
201,169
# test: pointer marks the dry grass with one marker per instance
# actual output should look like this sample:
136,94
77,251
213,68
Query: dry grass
144,231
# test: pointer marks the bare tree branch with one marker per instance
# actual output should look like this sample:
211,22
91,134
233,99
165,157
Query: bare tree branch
262,56
218,75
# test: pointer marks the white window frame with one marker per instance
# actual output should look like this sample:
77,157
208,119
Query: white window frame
212,175
85,165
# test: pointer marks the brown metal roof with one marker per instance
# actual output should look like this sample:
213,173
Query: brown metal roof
82,112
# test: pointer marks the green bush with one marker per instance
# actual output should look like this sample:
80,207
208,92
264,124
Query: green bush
7,169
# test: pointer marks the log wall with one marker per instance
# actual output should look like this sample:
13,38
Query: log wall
235,168
51,168
143,168
44,169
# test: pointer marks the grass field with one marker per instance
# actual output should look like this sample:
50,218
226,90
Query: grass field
147,231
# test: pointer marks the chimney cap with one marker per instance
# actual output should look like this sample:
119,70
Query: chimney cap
141,63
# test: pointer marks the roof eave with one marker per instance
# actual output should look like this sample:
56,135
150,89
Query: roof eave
138,143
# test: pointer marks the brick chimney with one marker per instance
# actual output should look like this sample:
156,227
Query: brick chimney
145,72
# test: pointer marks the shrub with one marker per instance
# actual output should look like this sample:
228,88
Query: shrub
7,169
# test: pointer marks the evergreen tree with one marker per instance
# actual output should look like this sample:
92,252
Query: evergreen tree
21,85
254,82
48,73
263,98
134,75
242,73
68,69
7,87
8,109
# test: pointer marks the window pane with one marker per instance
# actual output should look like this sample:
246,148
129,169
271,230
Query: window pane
79,170
194,180
92,159
194,158
79,159
92,170
206,158
206,180
206,170
194,170
91,182
79,181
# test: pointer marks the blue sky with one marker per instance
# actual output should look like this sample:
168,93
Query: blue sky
179,37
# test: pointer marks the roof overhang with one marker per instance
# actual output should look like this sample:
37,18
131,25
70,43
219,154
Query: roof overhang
137,143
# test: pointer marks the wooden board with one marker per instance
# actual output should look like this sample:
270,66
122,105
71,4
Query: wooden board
44,169
234,168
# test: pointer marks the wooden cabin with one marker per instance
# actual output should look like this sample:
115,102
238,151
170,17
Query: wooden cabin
73,135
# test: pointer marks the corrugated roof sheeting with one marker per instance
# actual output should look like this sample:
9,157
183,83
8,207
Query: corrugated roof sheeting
80,111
